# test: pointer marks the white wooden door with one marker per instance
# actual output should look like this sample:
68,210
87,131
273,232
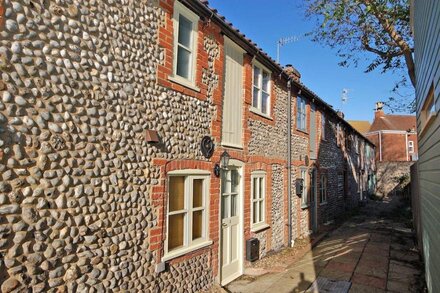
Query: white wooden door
231,237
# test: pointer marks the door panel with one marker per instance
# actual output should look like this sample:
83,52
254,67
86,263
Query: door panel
230,225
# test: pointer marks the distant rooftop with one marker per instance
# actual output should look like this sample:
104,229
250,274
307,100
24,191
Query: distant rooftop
362,126
384,121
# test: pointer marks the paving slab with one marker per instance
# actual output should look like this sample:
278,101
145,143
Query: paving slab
367,254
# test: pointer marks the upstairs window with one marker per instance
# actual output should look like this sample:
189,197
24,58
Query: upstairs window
185,41
261,90
301,114
323,122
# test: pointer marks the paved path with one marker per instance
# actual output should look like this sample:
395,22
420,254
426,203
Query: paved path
371,252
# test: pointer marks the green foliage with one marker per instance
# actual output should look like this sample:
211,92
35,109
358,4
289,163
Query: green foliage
381,27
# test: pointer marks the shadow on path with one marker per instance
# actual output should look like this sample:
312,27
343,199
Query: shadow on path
373,251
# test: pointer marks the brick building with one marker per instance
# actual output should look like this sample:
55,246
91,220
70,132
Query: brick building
395,136
144,142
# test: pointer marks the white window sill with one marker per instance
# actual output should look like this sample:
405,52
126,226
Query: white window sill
184,82
259,227
185,250
323,203
259,113
302,130
304,206
232,145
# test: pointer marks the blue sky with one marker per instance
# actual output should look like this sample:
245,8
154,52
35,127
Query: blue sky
267,21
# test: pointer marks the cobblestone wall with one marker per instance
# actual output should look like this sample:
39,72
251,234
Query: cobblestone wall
269,139
78,90
278,223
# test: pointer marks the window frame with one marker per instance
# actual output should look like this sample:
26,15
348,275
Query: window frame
428,112
259,108
411,147
301,114
323,188
180,9
188,243
323,125
255,226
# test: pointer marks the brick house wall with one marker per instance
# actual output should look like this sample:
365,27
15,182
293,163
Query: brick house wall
84,196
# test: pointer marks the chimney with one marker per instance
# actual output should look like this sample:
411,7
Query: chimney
292,72
340,114
379,110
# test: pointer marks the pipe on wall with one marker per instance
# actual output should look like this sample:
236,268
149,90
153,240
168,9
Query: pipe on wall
289,162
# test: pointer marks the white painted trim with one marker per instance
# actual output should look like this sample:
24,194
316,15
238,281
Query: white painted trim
233,44
239,164
269,108
189,172
258,174
189,245
180,9
391,132
186,250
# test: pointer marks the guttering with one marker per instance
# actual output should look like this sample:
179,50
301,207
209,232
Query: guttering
289,163
406,143
380,146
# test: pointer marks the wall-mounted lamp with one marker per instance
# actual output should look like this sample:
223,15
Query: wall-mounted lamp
224,162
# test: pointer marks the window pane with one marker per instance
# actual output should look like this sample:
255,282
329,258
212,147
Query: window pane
266,79
225,207
264,103
176,194
255,97
261,212
183,62
255,189
197,193
185,28
262,187
256,76
175,231
197,224
255,212
233,205
234,180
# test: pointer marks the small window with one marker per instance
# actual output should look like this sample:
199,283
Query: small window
323,188
261,90
187,211
185,41
428,111
323,122
411,146
258,191
305,196
301,114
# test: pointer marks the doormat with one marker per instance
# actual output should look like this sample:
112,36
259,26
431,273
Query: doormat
322,285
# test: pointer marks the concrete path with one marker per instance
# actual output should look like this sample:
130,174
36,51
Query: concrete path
371,252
